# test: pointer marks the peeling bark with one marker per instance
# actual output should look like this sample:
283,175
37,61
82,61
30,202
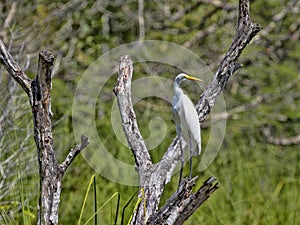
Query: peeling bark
183,203
50,171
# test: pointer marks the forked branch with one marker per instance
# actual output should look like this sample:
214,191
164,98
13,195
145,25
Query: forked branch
39,92
245,31
154,176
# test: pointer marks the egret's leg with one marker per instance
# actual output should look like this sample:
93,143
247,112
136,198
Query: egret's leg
191,157
182,161
191,165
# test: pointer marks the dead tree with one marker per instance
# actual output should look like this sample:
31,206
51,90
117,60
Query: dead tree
39,93
183,203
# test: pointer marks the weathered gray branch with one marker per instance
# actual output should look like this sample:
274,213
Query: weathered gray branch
245,31
74,152
184,202
14,69
135,140
41,89
153,176
39,92
123,90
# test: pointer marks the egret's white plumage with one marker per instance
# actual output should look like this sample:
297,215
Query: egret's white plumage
186,120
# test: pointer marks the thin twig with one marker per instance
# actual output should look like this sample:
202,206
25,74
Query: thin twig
14,69
74,152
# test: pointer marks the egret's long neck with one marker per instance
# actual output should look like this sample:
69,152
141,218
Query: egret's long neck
177,89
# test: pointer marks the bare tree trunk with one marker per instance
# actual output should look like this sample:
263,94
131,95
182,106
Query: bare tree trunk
39,93
183,203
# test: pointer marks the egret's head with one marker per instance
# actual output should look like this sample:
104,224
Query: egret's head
182,77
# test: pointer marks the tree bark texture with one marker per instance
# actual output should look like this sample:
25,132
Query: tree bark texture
50,171
152,176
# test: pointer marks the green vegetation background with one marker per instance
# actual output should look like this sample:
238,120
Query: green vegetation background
259,181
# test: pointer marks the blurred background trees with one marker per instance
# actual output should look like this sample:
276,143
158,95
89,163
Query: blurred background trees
259,164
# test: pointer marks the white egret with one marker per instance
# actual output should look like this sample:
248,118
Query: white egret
186,120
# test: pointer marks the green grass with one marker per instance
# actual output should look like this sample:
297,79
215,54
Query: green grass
258,185
259,182
96,210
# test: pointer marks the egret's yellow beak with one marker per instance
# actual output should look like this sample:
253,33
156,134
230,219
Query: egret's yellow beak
192,78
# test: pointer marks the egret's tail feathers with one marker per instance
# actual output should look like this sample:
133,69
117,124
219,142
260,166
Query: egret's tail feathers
195,147
198,150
